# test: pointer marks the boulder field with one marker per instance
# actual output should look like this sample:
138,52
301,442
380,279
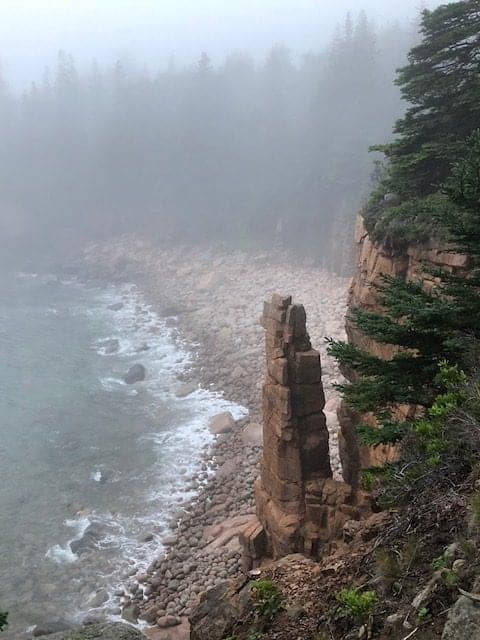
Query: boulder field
212,299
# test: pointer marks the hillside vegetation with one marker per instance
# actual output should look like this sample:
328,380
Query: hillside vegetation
431,187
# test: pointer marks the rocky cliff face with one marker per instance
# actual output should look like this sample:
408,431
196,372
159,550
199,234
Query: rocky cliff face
375,260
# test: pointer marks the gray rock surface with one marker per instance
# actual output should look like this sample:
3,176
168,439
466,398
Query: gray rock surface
98,632
50,628
111,346
221,423
137,373
253,434
116,306
219,609
463,622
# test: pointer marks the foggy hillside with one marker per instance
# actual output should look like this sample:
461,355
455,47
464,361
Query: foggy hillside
246,151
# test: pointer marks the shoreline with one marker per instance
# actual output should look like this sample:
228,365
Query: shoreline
214,312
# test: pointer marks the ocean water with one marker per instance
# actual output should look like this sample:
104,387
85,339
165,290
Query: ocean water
92,470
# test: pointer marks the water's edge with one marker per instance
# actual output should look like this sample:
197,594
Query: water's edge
100,547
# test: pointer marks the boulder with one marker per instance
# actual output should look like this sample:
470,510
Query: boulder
88,540
110,346
137,373
220,609
131,613
221,423
102,631
186,389
463,622
50,628
165,622
391,199
253,434
117,306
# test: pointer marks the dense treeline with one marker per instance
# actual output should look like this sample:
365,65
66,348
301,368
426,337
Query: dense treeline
240,152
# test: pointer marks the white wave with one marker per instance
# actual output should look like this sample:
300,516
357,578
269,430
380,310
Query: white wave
61,555
112,384
180,445
65,555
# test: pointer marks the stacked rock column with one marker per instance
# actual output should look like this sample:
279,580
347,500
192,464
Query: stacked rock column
296,460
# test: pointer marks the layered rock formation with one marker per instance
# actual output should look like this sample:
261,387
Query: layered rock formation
375,260
300,508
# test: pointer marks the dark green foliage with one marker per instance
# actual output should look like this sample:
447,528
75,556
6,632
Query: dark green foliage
391,432
441,84
437,333
3,620
414,220
463,189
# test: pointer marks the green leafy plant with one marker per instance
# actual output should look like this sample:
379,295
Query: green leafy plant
439,563
3,620
422,613
268,600
442,564
357,605
367,479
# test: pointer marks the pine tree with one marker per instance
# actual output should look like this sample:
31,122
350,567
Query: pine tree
441,84
432,329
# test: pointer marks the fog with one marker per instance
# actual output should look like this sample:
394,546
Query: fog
246,121
154,31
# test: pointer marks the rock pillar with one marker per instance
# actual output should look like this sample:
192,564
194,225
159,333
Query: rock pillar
300,507
296,459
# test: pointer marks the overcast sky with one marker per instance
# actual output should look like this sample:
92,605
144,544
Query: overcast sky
151,31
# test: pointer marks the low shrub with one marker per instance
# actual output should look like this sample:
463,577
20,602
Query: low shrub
356,605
